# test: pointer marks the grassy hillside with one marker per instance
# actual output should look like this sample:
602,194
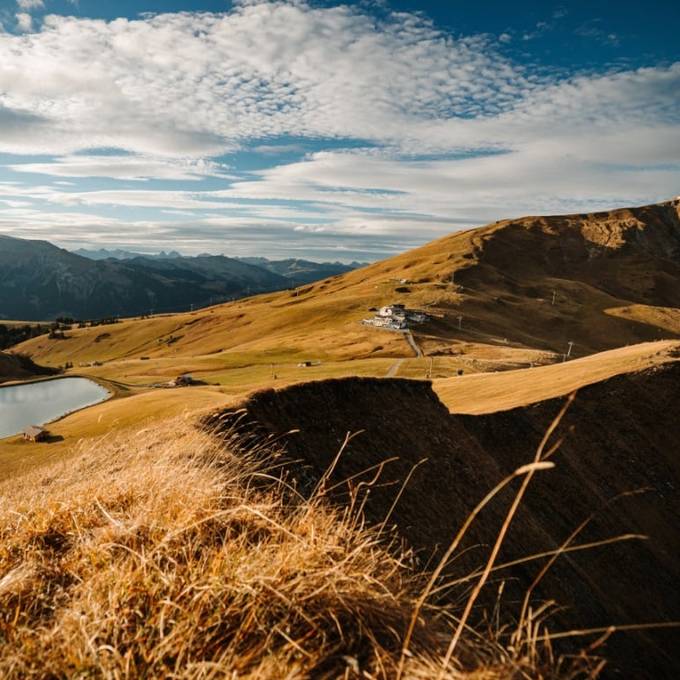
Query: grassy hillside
613,275
133,545
615,278
484,393
162,553
20,367
616,479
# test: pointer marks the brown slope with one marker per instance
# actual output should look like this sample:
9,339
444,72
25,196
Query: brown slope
19,367
480,393
625,436
616,276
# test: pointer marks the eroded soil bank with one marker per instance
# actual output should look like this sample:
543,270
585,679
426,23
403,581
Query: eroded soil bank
620,436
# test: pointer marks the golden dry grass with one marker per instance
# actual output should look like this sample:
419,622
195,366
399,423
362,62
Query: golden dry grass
488,393
518,305
160,553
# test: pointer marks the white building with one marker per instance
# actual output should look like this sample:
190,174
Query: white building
395,317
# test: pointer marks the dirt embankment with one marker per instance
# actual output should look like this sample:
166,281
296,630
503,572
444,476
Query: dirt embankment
621,435
20,367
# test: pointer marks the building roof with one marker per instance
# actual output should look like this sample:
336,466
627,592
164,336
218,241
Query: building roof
33,430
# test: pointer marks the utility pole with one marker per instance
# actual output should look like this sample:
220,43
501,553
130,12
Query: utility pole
554,295
460,322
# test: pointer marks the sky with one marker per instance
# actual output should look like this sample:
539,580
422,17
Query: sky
327,130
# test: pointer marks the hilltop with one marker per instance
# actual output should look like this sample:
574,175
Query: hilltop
517,291
616,468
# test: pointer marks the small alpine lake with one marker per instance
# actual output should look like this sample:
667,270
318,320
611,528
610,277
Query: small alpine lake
37,403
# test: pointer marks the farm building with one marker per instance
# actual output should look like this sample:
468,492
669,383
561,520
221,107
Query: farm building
33,433
183,380
392,311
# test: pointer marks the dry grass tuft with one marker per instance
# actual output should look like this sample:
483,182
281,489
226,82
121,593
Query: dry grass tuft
155,555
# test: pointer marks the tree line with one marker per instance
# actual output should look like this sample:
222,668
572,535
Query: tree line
11,335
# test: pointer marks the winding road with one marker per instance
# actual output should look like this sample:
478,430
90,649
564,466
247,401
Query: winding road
414,345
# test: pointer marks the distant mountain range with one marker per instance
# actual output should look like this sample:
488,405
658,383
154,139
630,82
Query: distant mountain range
39,281
118,254
302,271
298,271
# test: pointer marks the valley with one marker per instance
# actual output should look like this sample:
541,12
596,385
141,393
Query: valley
494,339
339,340
517,315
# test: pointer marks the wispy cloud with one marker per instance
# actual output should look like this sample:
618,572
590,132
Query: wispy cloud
24,21
451,130
29,5
595,30
125,167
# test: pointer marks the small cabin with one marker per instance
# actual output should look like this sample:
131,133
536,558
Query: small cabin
34,433
183,380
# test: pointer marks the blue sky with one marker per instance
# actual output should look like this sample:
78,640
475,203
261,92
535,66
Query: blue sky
324,129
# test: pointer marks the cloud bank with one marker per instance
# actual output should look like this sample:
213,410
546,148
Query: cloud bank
446,131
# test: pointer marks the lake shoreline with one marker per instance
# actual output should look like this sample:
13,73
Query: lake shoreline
109,393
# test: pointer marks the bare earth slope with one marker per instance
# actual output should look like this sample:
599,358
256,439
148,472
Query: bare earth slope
620,436
13,367
615,277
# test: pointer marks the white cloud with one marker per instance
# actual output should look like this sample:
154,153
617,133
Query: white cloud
174,90
125,167
30,4
195,84
24,21
276,149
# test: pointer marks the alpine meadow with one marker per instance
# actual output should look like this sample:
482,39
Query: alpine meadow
339,340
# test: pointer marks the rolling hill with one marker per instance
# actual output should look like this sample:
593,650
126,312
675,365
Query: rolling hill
518,290
519,294
616,467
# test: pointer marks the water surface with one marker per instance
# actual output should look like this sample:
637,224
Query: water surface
41,402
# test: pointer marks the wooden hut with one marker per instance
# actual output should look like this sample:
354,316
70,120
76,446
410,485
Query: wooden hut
33,433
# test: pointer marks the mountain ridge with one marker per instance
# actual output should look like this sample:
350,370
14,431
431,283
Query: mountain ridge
41,281
533,284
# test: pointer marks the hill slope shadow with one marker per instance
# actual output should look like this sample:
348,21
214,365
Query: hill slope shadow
621,435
